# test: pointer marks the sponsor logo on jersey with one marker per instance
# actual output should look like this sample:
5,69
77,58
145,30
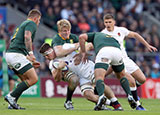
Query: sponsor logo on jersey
18,65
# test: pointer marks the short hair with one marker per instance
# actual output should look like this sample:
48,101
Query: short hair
108,16
44,47
63,23
34,12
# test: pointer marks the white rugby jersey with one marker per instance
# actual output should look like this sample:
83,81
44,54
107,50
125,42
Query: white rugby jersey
119,33
82,70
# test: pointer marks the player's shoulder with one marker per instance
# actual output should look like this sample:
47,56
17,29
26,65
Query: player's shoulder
73,35
120,28
56,37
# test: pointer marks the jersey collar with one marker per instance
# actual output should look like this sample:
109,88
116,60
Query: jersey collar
30,19
62,37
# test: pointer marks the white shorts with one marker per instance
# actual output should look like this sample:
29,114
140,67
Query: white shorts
86,87
109,55
83,80
130,65
18,62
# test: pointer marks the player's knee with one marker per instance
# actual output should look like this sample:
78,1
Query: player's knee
34,80
75,80
142,81
87,94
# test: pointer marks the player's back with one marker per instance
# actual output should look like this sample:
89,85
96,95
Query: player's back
18,41
101,40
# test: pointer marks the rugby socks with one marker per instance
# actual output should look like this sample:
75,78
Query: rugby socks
138,84
125,85
134,93
100,87
19,90
69,94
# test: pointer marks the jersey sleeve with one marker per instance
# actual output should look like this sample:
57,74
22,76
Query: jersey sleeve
51,66
125,31
56,42
90,36
31,27
76,39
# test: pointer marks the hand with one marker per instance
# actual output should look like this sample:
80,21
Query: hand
152,49
31,57
76,46
85,57
36,64
62,64
77,59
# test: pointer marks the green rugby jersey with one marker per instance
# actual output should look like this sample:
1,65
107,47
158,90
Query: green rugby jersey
101,40
59,40
18,40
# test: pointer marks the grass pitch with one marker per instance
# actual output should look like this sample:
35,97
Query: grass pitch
54,106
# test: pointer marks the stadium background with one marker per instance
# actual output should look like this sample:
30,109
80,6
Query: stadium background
141,16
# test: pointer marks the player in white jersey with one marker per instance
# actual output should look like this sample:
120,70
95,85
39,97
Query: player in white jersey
64,67
131,68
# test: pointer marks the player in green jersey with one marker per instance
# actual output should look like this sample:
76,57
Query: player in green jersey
20,57
65,45
107,53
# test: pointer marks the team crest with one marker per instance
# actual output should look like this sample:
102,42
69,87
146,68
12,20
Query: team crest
71,41
119,34
18,65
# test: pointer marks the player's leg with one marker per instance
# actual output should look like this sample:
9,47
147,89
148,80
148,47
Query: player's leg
125,85
99,77
113,101
140,79
73,81
133,70
139,76
89,93
133,87
11,83
23,67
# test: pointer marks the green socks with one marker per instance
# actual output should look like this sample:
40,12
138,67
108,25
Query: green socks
20,88
100,87
125,85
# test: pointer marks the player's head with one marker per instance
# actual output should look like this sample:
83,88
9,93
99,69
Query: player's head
35,15
109,22
64,28
47,51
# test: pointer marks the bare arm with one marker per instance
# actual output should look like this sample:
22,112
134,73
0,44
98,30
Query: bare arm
57,73
60,51
28,44
141,39
89,47
28,40
82,39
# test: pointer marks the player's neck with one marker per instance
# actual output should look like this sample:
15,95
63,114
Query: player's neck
110,30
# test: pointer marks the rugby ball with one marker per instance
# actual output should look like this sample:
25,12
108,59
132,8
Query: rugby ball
55,64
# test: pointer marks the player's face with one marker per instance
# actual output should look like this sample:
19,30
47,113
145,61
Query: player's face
51,55
37,20
65,32
109,24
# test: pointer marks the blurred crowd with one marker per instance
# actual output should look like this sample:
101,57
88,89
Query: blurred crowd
87,16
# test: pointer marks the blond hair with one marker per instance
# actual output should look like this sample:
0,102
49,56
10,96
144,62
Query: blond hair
63,23
33,13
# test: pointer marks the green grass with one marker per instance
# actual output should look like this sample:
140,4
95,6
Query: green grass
54,106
